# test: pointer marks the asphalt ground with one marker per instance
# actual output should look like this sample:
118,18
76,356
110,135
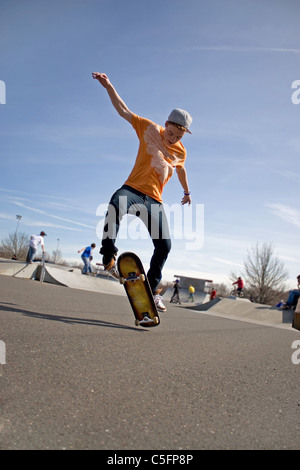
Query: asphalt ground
80,375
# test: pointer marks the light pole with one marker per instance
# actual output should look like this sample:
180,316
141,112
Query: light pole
18,217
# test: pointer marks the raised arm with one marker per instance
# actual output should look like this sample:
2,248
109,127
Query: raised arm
182,177
116,100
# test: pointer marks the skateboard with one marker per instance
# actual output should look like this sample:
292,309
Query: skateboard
134,279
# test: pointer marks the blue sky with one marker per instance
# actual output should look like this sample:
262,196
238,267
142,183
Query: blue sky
64,149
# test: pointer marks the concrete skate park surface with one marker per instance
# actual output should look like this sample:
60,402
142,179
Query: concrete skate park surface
63,276
230,307
79,375
243,309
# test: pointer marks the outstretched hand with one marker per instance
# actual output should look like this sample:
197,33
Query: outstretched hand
102,78
186,199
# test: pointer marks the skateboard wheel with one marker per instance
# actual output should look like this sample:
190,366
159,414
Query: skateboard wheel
137,323
142,277
121,280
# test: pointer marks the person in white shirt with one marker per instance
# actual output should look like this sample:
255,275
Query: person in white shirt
35,241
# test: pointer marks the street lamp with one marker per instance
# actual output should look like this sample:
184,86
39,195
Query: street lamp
19,217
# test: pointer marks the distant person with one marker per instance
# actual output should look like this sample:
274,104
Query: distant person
240,285
213,294
35,241
175,297
191,291
293,296
86,255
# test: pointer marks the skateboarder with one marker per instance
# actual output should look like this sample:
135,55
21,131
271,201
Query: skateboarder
240,285
35,241
175,296
86,258
213,294
294,295
191,293
160,153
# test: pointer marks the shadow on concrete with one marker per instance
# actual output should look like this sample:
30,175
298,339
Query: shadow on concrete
70,320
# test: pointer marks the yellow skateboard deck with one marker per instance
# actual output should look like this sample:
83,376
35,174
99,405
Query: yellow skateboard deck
134,279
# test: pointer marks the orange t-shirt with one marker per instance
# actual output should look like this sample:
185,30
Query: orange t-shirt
155,162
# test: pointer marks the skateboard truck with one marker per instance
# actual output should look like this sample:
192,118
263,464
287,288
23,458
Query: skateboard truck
132,278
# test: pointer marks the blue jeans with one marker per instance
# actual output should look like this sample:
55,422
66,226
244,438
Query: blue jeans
30,255
87,268
127,200
293,297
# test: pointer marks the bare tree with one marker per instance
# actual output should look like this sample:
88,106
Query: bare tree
57,257
15,245
222,289
264,273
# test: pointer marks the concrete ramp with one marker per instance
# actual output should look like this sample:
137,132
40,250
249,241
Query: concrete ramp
62,276
243,309
205,305
73,278
17,268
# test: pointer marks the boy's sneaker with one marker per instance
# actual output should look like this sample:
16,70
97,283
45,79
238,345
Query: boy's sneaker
111,268
159,303
146,320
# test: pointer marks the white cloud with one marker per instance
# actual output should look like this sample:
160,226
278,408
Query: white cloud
40,223
39,211
244,49
287,213
6,216
227,262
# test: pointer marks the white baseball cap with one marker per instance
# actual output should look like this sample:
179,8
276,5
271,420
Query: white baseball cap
181,117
